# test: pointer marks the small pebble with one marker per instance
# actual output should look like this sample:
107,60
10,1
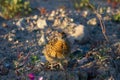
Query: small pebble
7,65
35,17
3,70
4,25
10,39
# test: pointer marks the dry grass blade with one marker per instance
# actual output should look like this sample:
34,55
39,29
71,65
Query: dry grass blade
102,25
3,60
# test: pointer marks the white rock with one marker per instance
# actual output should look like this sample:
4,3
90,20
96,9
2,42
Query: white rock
56,13
21,23
51,18
52,13
16,42
62,10
34,22
41,23
92,21
42,40
13,31
71,19
28,20
10,39
13,22
27,41
62,15
101,10
108,10
35,17
57,22
85,13
80,34
65,22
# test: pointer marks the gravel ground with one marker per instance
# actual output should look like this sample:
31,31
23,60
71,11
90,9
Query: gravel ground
21,46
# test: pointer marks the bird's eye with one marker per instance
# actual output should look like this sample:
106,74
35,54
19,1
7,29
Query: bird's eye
62,46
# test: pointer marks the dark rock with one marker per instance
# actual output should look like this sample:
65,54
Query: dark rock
72,63
116,48
3,70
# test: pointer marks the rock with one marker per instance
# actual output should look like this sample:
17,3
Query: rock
92,22
81,34
72,63
41,23
42,40
61,10
34,22
116,48
10,39
51,18
3,70
21,23
82,61
70,28
4,25
43,59
32,25
82,74
35,17
52,13
7,65
62,15
13,31
57,22
28,20
84,13
66,21
109,10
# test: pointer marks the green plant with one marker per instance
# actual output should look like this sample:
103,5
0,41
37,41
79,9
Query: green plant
34,58
79,4
116,17
13,8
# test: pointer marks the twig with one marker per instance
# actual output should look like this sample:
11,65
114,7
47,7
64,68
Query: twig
3,60
25,60
102,25
26,57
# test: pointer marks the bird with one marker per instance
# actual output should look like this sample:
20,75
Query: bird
57,50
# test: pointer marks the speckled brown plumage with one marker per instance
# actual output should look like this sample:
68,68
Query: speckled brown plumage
57,50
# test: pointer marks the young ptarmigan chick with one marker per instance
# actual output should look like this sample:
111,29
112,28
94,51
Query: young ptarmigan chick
57,51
